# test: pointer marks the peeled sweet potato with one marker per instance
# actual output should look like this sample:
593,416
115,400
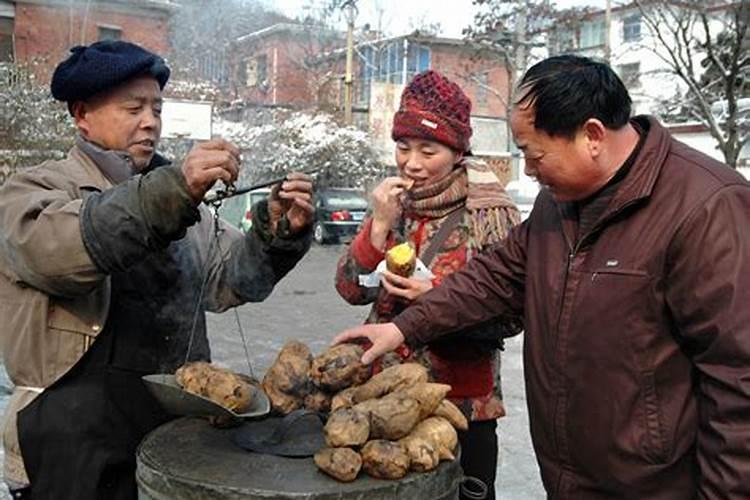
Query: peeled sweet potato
427,394
452,414
439,433
287,381
341,463
347,427
339,367
401,259
391,379
391,417
217,384
422,454
385,459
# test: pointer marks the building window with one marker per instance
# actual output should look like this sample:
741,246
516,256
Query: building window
6,39
630,74
256,70
362,84
631,28
109,33
483,85
562,40
213,67
385,63
592,34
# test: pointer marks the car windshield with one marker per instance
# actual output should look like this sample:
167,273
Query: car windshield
349,200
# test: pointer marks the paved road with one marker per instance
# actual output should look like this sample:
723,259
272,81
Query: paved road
305,306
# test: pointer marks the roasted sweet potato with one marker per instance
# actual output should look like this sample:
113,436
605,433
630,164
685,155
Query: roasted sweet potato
287,382
341,463
217,384
289,372
391,417
452,414
385,459
347,427
281,402
339,367
427,394
440,433
317,400
401,259
389,380
343,399
193,376
422,454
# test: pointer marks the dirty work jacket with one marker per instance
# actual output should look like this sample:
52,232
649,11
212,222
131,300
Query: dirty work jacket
55,292
637,342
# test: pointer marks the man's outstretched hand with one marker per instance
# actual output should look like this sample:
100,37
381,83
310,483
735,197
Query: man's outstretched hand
385,337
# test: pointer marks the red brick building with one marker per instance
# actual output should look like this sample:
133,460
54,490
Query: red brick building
284,65
42,31
275,66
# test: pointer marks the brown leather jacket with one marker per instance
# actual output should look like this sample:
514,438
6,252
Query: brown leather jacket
637,346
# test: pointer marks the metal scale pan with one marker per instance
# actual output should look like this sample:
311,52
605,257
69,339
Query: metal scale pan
177,401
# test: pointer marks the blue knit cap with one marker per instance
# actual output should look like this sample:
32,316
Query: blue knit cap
101,66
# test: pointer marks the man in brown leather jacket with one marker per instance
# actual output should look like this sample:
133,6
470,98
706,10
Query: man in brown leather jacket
104,259
633,276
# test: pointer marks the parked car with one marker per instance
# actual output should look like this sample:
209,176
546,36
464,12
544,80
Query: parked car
523,194
251,198
338,214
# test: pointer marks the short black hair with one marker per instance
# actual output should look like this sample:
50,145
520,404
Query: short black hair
567,90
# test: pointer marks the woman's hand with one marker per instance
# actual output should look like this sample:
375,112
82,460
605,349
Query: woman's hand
385,202
406,288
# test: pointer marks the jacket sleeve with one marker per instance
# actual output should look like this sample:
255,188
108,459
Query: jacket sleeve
360,257
40,238
489,286
123,224
245,268
708,294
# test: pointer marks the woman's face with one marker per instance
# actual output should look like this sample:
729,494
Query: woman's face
423,161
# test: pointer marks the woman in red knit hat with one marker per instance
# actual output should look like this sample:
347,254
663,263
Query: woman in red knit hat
449,206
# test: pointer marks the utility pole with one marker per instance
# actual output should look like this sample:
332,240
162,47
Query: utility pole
350,11
608,32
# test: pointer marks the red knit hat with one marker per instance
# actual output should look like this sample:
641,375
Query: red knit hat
434,108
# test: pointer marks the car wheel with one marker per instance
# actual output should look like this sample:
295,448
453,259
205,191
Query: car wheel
319,234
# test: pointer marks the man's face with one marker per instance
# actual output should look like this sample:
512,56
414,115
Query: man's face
125,118
564,166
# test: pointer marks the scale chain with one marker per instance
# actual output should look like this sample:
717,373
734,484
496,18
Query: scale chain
216,205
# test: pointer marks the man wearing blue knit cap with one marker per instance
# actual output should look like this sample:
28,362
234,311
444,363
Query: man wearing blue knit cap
102,257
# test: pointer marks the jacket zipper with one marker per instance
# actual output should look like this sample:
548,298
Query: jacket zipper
572,251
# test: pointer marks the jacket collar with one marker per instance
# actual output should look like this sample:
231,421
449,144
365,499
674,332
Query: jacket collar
640,181
117,166
638,185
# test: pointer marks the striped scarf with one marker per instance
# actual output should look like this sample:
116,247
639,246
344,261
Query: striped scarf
474,185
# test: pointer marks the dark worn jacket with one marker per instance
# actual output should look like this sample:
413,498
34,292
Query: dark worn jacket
66,226
637,346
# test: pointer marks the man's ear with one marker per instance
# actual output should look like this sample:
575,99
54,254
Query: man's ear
79,111
594,132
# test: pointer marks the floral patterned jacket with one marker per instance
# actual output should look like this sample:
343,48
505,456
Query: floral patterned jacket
469,360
